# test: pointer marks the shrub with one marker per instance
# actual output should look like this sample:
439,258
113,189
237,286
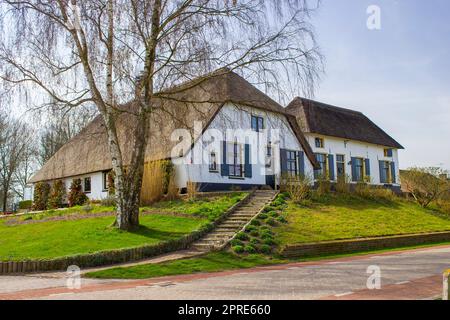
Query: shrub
323,185
343,184
25,205
254,233
274,214
251,228
172,189
76,195
250,249
41,193
109,201
236,242
263,216
269,241
282,219
268,209
266,249
242,236
271,222
238,249
192,190
255,222
255,241
57,195
298,188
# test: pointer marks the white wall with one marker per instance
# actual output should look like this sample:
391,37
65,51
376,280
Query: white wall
239,117
350,148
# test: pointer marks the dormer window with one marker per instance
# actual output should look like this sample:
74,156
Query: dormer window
320,143
257,124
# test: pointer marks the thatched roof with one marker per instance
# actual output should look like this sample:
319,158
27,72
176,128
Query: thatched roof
324,119
178,108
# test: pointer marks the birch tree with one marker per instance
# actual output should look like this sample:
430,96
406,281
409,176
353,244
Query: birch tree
108,52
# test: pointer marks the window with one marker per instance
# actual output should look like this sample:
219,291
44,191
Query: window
388,153
234,158
319,143
257,124
105,180
292,163
87,185
359,169
322,159
340,164
269,149
386,173
269,153
213,162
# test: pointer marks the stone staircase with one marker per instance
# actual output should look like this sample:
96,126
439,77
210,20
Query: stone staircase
235,222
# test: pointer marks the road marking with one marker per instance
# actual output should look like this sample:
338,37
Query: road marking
403,282
344,294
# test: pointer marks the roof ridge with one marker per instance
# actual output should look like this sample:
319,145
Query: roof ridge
319,104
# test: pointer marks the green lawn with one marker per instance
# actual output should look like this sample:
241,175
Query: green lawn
210,208
40,237
64,238
212,262
345,217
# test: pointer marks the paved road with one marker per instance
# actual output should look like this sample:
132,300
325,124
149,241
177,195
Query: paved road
415,274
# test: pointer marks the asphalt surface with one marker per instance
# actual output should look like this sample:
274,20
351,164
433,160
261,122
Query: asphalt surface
415,274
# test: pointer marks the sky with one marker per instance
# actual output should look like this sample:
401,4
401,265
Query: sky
399,76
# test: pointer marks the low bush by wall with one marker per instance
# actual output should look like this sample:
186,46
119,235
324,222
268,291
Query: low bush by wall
111,257
362,245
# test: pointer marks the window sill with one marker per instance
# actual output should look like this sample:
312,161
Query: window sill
213,171
236,178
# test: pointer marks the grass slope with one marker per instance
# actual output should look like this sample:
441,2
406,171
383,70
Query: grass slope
345,217
212,262
65,238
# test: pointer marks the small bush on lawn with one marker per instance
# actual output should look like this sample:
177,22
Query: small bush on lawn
238,249
251,228
25,205
255,241
254,233
57,195
109,201
343,184
250,249
273,214
265,228
298,188
256,223
268,209
242,236
236,242
41,193
76,195
269,242
263,216
271,222
265,249
282,219
323,185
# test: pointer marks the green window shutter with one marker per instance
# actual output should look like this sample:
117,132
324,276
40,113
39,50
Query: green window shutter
283,160
248,166
301,163
367,167
393,172
331,166
225,169
383,178
354,174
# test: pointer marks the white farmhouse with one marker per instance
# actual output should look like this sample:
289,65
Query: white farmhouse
223,133
220,132
347,143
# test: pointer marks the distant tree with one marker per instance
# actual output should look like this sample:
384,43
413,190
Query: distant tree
15,138
59,128
425,184
107,52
